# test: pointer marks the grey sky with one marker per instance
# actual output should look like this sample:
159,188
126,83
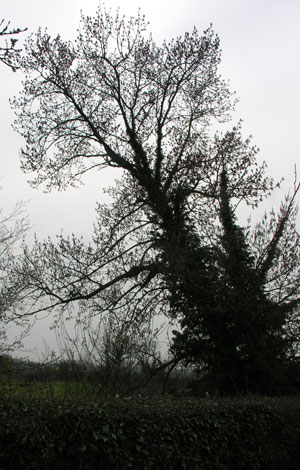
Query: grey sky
260,41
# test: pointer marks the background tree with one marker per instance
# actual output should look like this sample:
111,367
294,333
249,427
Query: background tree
116,99
14,225
13,228
115,353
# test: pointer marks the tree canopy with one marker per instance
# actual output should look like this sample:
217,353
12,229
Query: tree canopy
169,241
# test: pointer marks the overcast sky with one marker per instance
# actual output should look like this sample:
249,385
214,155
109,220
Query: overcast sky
260,41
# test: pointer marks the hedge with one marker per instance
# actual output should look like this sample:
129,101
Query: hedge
146,434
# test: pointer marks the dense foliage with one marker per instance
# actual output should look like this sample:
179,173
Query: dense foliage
242,336
133,434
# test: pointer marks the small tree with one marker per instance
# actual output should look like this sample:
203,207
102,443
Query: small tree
111,352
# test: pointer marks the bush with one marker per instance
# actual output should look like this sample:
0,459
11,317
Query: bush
142,434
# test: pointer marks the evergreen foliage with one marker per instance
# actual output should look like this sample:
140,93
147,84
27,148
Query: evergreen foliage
246,346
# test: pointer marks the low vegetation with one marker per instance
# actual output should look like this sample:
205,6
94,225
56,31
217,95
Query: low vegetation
48,421
136,433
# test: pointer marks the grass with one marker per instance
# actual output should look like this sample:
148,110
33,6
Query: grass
49,389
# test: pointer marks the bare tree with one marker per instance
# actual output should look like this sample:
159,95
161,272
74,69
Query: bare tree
13,228
113,353
14,225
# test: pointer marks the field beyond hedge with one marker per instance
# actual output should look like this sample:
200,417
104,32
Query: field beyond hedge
78,433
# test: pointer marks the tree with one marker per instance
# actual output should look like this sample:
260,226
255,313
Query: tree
116,99
14,225
13,228
249,340
115,353
8,52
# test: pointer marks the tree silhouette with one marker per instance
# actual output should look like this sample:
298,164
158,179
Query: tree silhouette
244,339
168,243
13,227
